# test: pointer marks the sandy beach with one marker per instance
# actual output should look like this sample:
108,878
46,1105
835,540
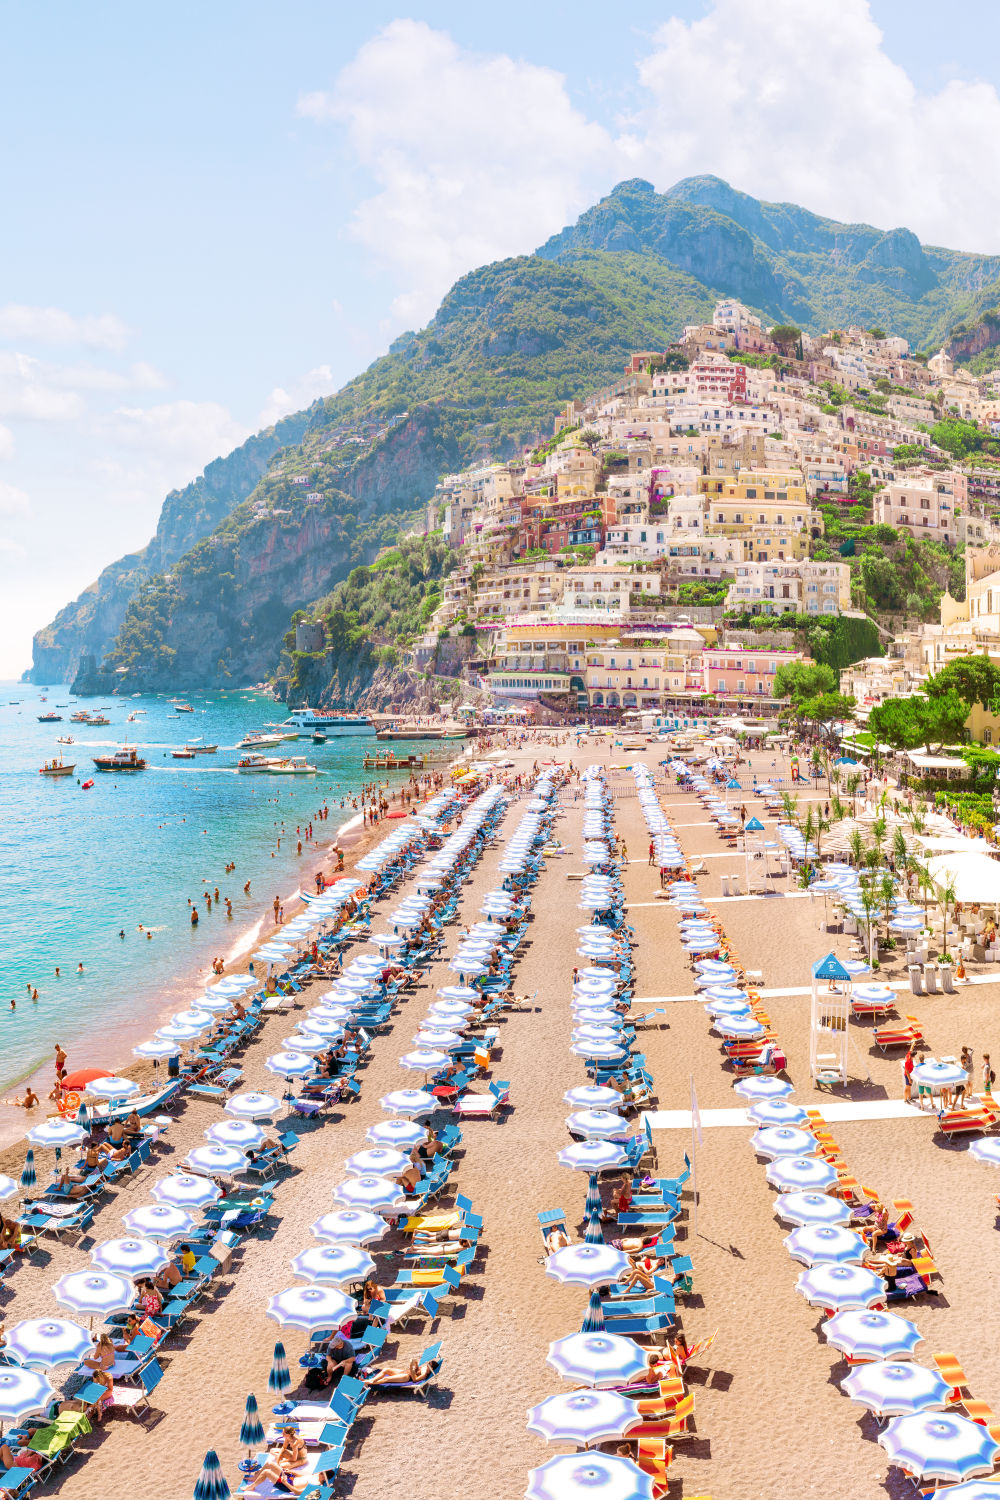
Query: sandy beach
770,1418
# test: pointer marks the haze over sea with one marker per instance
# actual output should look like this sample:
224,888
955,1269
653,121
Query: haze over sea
77,867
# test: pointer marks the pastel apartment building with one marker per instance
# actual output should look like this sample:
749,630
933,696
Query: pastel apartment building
771,588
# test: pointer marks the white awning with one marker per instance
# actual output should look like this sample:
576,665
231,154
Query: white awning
977,877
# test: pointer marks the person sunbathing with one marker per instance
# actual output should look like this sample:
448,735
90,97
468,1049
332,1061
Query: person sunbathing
166,1279
878,1228
73,1180
132,1124
556,1239
396,1374
645,1268
103,1356
116,1134
284,1467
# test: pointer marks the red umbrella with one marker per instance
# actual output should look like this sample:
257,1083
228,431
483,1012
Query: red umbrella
82,1076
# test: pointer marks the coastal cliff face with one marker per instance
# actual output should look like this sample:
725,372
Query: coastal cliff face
966,343
91,622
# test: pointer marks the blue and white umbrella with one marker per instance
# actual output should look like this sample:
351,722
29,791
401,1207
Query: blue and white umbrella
583,1417
28,1177
973,1489
192,1017
592,1156
460,992
47,1342
217,1161
739,1028
987,1149
598,973
840,1287
816,1244
587,1265
403,1135
349,1226
113,1088
383,1161
424,1060
157,1049
596,1359
279,1379
252,1429
593,1096
211,1483
432,1039
135,1256
408,1102
940,1446
596,1124
8,1187
895,1389
872,1335
588,985
906,924
590,1033
186,1190
812,1208
809,1173
56,1134
452,1013
763,1088
598,1051
291,1064
305,1042
774,1141
160,1221
175,1032
310,1307
243,1134
938,1075
875,994
321,1026
99,1293
23,1393
371,1192
332,1265
777,1112
252,1106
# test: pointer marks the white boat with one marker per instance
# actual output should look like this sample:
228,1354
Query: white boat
65,739
254,762
292,765
197,747
257,739
330,723
184,708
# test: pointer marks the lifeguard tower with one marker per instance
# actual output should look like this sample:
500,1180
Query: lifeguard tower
831,1009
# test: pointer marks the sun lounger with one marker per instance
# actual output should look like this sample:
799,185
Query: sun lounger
965,1121
483,1106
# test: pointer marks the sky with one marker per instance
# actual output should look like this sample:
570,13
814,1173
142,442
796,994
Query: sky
215,213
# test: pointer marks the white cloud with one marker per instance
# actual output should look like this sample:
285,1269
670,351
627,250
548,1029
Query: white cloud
52,325
300,394
190,433
475,157
13,502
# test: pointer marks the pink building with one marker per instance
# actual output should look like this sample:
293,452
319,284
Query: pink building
743,672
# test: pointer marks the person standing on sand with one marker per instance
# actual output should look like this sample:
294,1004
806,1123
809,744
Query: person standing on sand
907,1066
652,852
276,907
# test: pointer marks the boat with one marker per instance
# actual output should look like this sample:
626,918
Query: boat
65,739
99,719
56,768
87,786
330,723
254,762
318,738
184,708
292,765
184,754
125,759
256,739
422,732
197,748
50,718
80,717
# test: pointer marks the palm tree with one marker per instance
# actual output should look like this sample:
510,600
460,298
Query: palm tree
837,808
899,850
947,894
887,895
925,884
851,785
856,846
880,829
789,806
870,904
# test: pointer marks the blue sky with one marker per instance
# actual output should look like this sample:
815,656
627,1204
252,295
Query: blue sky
215,212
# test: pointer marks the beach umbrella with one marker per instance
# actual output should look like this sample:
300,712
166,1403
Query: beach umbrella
279,1379
444,1041
424,1060
451,1010
252,1106
217,1161
593,1319
349,1226
893,1389
98,1293
906,924
252,1431
378,1160
321,1026
291,1064
333,1264
192,1017
211,1483
243,1134
369,1191
875,994
174,1032
459,992
408,1102
813,1244
777,1112
812,1208
938,1074
987,1150
306,1042
596,1359
587,1265
583,1417
590,986
592,1156
740,1028
588,1033
403,1135
973,1489
773,1141
136,1256
840,1287
593,1096
596,1124
872,1335
186,1190
763,1088
47,1342
160,1221
28,1178
215,1004
806,1172
56,1133
112,1088
939,1446
598,1051
8,1187
22,1393
157,1048
310,1307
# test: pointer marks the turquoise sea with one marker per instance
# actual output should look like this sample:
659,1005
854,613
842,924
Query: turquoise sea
77,867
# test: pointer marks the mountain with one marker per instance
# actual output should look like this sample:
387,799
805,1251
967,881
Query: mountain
509,345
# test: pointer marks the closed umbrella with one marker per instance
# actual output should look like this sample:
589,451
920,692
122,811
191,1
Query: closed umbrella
596,1359
813,1244
160,1221
28,1178
279,1379
812,1208
137,1256
349,1226
583,1417
840,1287
333,1265
587,1265
186,1190
310,1307
47,1342
872,1335
252,1431
939,1446
894,1389
211,1483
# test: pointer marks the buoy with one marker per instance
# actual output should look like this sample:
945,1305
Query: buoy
86,786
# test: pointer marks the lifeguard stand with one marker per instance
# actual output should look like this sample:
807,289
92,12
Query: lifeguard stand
754,848
831,1009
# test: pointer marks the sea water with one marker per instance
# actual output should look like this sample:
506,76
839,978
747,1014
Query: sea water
79,867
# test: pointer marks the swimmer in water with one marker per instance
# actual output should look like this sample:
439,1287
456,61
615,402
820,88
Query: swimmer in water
121,934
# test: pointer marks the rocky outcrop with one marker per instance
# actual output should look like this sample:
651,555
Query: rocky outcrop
965,342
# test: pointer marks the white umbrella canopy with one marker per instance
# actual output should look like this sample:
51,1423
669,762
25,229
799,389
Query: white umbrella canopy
976,876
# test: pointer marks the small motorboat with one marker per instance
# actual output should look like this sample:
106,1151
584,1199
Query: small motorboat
319,739
125,759
184,708
198,748
292,765
184,754
65,739
56,768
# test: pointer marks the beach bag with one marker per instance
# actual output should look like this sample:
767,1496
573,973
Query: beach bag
316,1379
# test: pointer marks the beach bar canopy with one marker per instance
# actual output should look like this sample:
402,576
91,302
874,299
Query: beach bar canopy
977,877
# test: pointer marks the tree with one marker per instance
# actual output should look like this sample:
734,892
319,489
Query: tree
672,359
946,894
799,680
876,333
826,710
896,722
788,339
974,678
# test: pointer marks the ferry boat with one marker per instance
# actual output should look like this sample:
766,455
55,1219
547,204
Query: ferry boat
50,718
330,723
56,768
292,765
125,759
